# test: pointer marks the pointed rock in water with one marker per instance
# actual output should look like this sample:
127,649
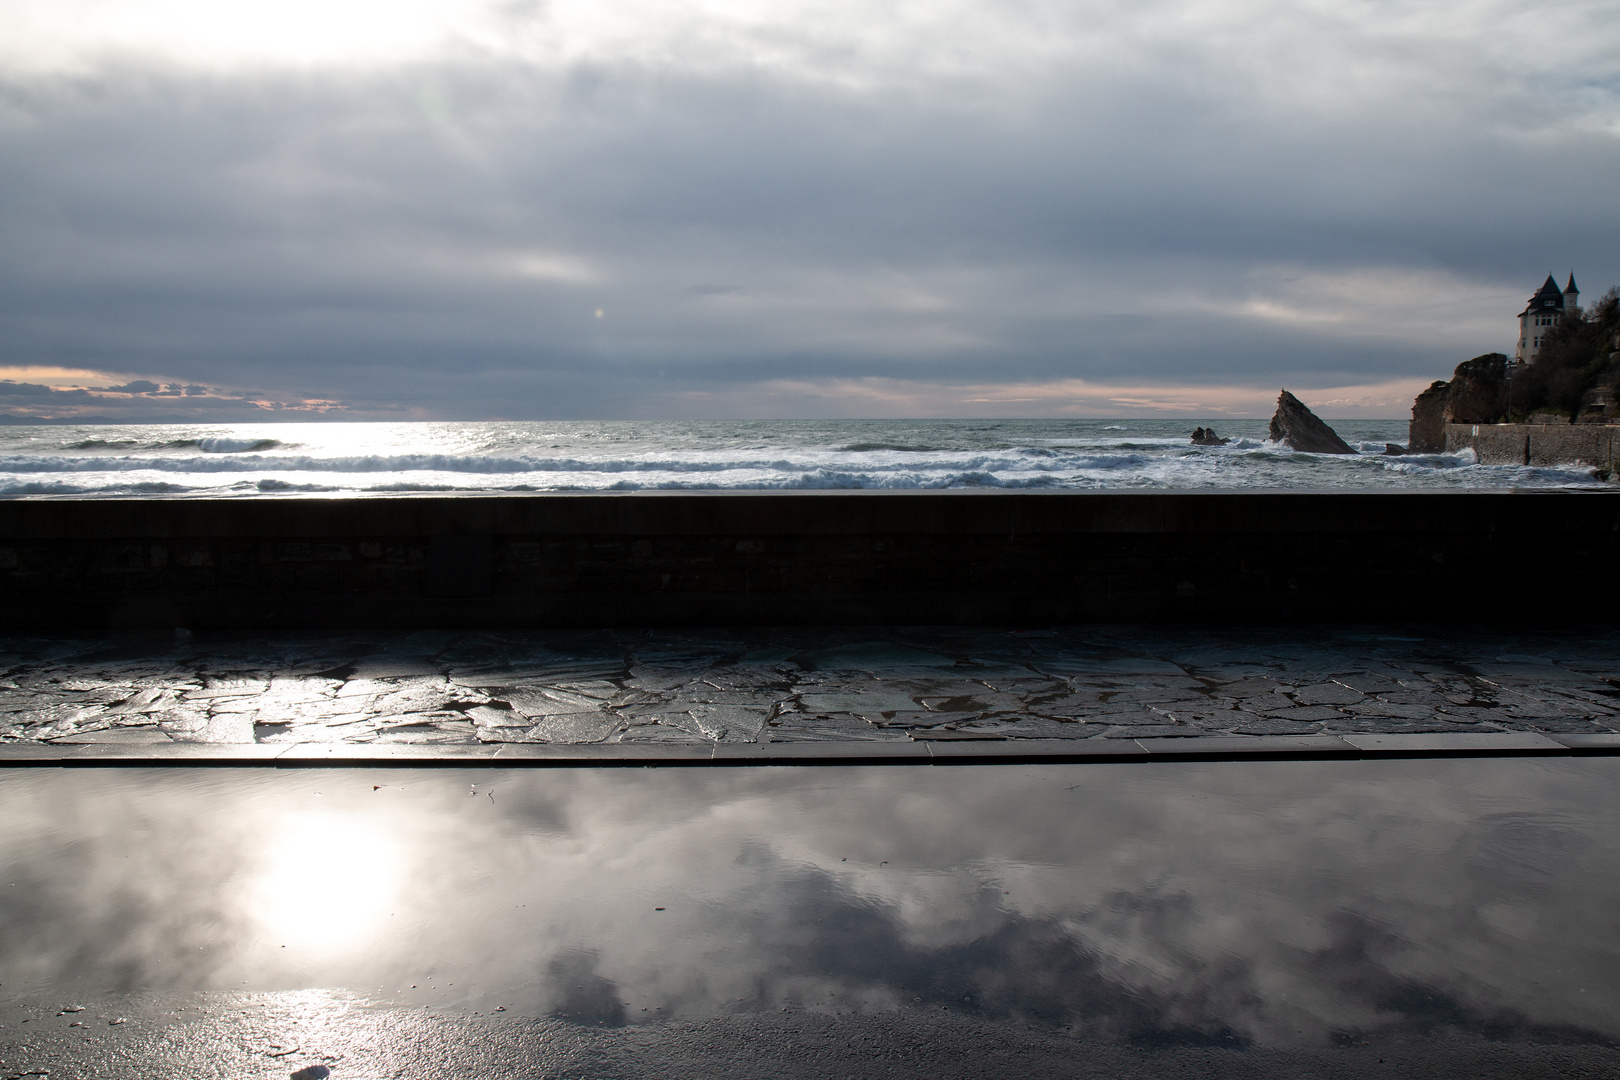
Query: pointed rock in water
1207,437
1296,426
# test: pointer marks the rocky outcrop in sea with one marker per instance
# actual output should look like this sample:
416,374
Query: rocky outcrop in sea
1297,427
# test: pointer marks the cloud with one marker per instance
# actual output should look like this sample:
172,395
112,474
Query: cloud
425,216
36,390
876,398
145,401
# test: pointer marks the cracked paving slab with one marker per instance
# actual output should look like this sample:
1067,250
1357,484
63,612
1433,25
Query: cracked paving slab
808,684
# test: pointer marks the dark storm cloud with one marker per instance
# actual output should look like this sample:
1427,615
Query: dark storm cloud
615,236
37,390
137,401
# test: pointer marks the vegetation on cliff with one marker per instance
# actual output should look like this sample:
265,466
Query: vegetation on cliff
1577,356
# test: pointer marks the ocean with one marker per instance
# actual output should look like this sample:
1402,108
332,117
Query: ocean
324,459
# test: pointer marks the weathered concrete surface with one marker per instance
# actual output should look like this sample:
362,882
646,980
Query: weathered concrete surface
1557,444
267,1036
917,691
1596,445
831,558
1492,444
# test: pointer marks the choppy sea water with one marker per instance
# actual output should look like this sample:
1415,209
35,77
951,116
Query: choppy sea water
236,460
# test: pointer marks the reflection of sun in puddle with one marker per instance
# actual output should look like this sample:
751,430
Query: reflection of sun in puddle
327,883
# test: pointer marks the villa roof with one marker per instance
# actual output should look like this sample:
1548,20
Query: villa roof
1547,298
1570,288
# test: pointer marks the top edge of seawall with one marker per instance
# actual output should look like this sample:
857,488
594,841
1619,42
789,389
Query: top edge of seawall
826,493
747,513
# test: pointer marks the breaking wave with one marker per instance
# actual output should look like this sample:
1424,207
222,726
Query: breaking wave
282,485
454,463
224,446
338,459
208,445
57,487
103,444
903,448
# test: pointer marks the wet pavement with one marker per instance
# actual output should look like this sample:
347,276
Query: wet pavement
1227,917
1216,919
632,691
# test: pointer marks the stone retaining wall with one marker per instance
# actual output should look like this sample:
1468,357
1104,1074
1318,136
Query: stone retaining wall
1596,445
654,558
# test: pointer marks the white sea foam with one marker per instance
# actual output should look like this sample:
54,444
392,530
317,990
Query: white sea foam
216,445
313,460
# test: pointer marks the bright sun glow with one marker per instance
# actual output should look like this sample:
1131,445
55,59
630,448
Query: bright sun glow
327,883
228,32
817,38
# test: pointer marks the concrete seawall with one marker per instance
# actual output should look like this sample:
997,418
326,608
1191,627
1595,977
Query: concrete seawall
655,558
1597,445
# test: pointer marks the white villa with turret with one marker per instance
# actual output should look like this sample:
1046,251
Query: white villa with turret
1545,311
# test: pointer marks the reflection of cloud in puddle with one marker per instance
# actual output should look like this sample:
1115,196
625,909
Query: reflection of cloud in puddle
1272,902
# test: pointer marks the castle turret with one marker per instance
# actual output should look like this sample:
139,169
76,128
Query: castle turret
1572,295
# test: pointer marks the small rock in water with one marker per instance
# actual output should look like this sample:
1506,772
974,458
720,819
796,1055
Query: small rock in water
313,1072
1394,449
1207,437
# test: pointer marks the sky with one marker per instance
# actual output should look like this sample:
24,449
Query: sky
555,209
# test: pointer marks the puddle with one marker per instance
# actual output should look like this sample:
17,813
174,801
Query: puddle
1239,905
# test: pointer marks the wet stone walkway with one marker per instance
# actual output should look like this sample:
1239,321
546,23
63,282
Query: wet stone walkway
799,685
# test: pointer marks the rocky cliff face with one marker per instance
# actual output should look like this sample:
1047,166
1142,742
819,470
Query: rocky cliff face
1427,432
1476,394
1296,426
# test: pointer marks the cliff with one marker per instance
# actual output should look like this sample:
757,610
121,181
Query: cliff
1574,379
1476,394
